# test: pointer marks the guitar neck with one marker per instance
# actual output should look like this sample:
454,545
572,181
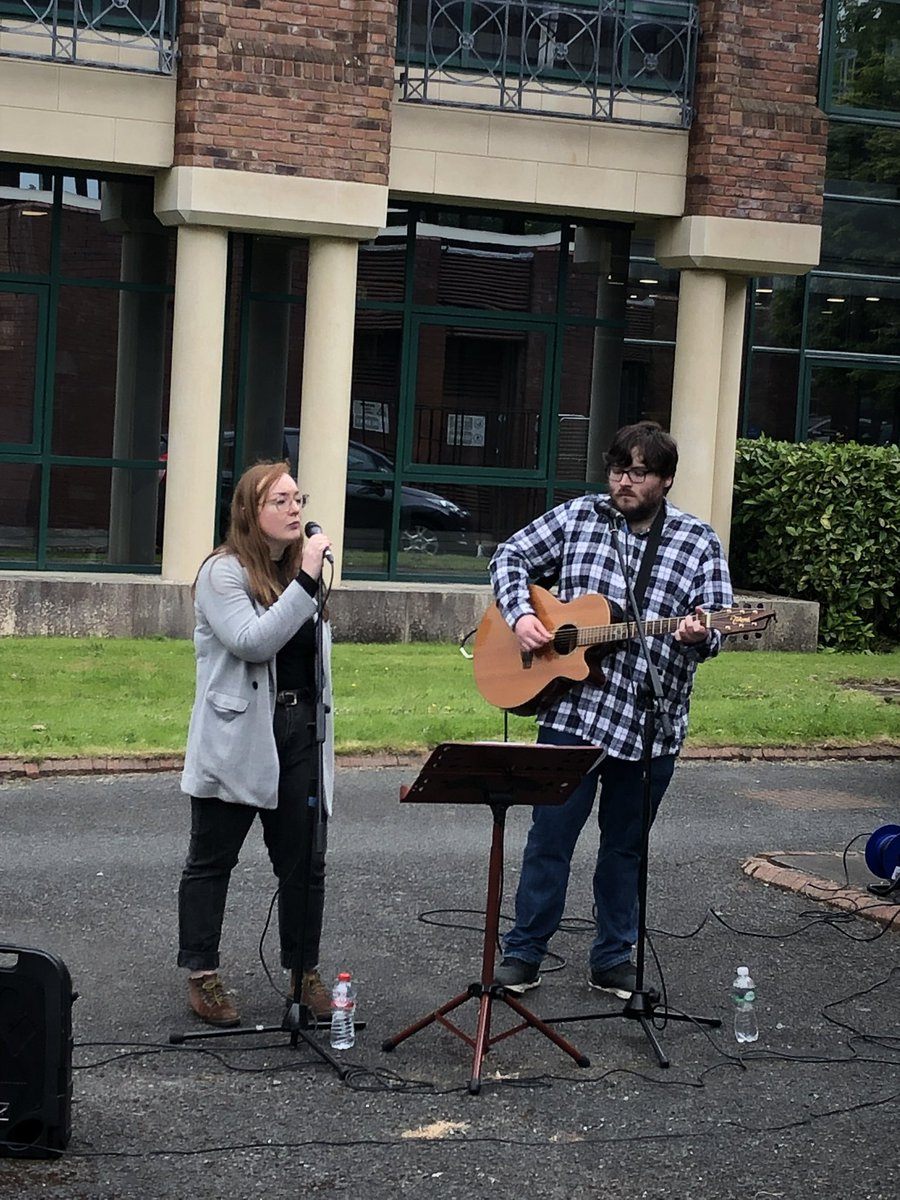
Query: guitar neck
594,635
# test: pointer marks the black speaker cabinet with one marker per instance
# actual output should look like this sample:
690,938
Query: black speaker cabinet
35,1053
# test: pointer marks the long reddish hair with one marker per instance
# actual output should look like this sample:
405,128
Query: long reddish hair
245,540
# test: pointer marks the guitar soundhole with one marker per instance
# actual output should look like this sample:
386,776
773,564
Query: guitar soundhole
565,639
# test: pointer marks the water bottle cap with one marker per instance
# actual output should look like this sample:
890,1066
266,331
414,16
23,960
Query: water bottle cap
344,976
743,970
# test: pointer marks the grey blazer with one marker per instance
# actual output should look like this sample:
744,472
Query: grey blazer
231,750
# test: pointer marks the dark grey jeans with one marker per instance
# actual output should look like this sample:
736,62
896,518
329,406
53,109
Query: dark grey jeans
295,842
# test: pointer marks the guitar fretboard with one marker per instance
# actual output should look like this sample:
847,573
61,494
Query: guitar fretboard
593,635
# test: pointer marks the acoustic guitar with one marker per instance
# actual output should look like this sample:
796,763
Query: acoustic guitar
584,630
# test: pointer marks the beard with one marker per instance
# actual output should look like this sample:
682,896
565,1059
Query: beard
637,513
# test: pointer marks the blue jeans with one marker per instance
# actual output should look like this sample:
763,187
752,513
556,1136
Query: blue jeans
541,895
294,841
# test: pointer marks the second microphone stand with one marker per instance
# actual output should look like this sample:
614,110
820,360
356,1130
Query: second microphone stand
644,1003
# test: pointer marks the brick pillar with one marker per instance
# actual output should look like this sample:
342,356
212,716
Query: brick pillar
757,145
287,88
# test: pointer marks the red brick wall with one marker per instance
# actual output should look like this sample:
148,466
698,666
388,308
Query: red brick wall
758,141
287,88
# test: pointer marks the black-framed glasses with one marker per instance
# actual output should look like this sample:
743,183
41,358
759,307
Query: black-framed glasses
635,474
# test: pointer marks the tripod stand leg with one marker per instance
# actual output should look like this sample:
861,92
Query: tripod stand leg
394,1041
297,1034
482,1041
661,1057
542,1027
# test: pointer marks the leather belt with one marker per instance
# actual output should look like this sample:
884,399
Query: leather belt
290,699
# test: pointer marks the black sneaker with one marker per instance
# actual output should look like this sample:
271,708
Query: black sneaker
516,975
619,980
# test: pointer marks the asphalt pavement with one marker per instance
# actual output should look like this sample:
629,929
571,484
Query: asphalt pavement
89,870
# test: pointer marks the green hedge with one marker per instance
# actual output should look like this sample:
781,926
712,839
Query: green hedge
822,522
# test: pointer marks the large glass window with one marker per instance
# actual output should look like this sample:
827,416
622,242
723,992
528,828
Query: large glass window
488,345
853,402
862,65
771,399
497,262
480,396
776,311
839,327
86,279
853,316
863,160
21,352
263,367
26,212
861,236
20,510
651,313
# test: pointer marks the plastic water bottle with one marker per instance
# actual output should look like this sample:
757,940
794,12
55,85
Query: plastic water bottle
745,1026
343,1010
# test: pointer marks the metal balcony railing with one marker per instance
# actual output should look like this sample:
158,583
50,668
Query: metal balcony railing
130,35
611,60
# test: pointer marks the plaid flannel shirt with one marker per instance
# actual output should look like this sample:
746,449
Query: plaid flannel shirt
575,544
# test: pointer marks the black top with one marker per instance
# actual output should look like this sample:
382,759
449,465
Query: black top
295,663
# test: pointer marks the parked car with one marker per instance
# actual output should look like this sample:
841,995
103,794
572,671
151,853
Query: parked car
428,522
868,432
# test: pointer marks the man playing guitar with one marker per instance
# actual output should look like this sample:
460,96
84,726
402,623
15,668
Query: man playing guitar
685,572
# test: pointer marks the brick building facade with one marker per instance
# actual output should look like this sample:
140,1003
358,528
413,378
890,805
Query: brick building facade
286,88
466,241
758,140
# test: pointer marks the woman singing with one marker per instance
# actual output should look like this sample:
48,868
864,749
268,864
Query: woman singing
251,748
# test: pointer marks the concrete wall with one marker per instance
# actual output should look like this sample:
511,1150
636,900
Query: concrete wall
41,605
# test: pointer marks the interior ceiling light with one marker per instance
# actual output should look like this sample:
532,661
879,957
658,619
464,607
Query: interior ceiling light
648,281
835,300
764,290
873,299
34,212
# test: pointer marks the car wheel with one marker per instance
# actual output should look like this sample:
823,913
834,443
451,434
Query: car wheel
419,539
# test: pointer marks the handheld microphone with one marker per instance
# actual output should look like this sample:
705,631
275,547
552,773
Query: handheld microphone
311,529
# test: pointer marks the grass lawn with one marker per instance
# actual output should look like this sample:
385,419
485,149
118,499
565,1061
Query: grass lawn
61,697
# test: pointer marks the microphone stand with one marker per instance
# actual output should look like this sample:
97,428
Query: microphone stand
296,1018
644,1003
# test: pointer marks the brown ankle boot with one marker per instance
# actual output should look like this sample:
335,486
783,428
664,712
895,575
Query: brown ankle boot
314,994
209,1000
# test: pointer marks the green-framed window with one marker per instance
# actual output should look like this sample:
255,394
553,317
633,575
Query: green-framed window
473,369
823,359
486,345
86,282
861,59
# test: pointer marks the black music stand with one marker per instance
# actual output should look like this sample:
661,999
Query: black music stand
498,774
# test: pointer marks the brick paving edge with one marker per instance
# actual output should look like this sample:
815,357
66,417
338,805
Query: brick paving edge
847,898
18,768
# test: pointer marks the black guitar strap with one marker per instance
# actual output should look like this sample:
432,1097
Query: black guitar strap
649,559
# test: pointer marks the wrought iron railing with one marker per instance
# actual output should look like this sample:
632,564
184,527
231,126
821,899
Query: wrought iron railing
135,35
615,60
